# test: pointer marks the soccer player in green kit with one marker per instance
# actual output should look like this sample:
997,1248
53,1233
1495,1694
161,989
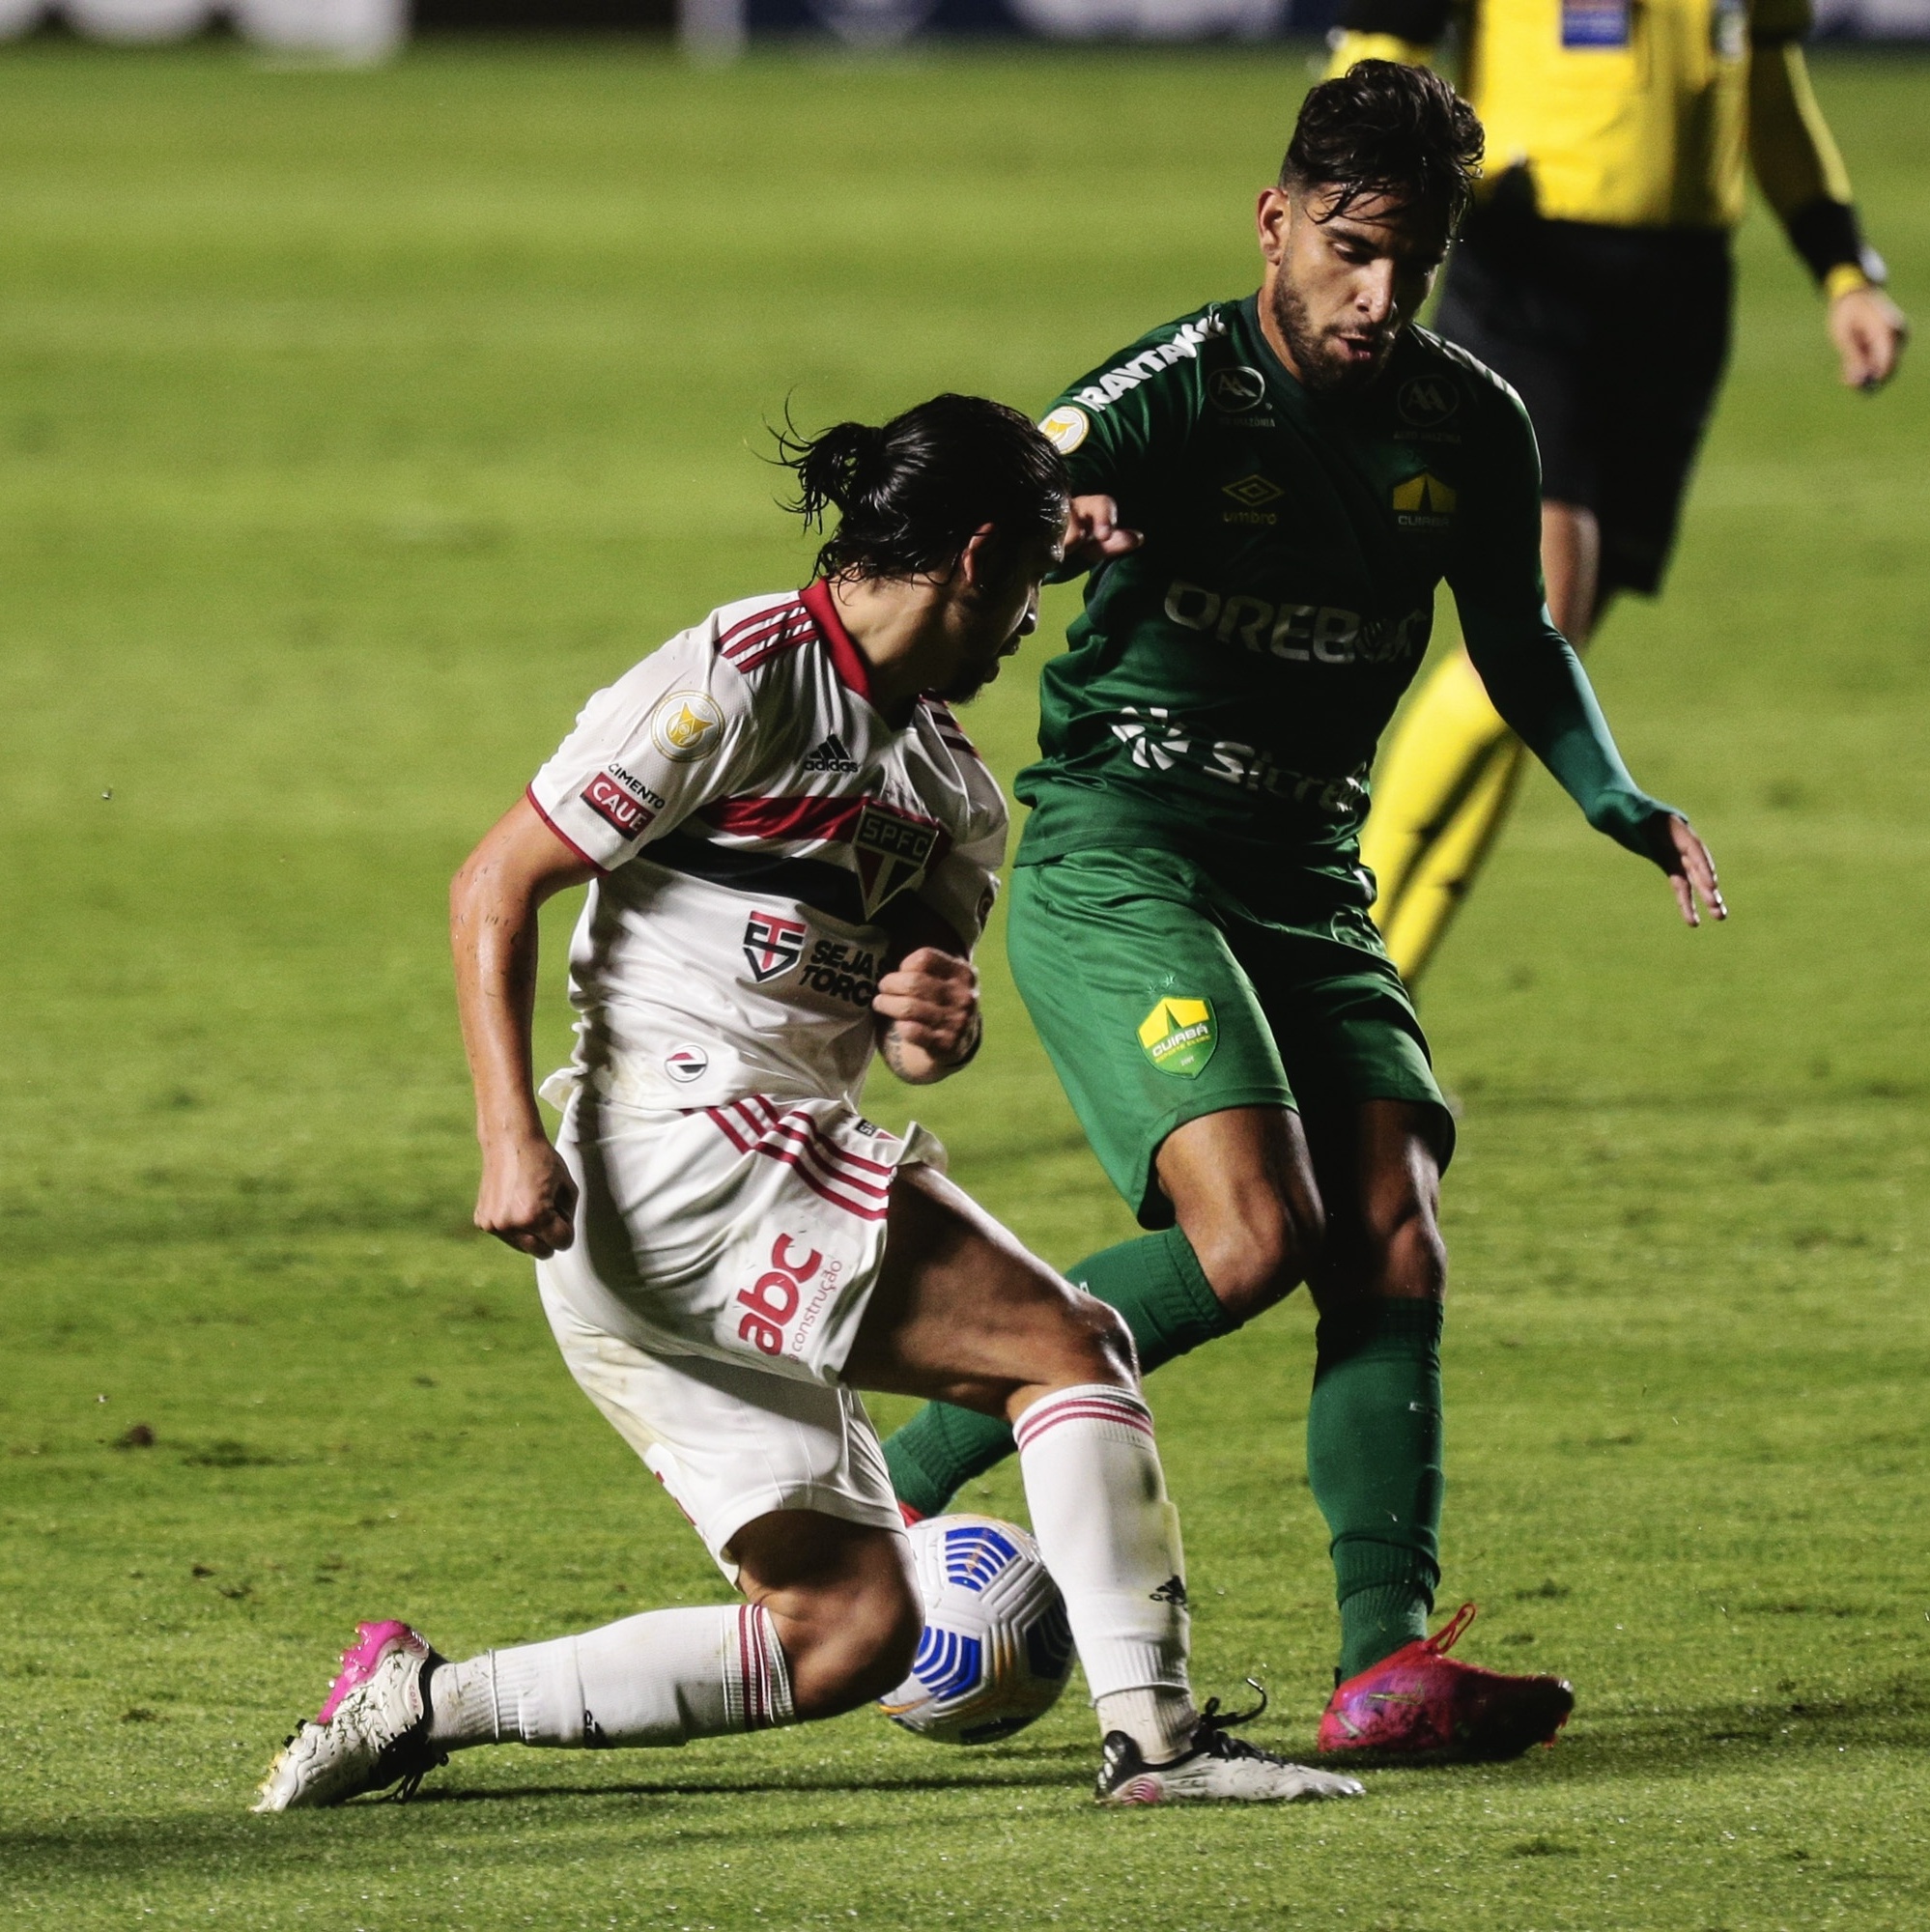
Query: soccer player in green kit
1266,494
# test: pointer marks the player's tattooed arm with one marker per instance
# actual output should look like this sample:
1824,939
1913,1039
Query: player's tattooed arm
929,1019
527,1197
928,1009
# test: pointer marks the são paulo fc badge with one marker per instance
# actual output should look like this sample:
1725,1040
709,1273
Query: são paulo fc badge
1178,1036
772,944
687,1063
893,849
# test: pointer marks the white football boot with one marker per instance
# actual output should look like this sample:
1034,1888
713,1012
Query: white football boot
372,1730
1216,1768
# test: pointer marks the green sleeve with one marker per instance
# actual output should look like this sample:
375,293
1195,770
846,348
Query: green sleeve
1111,425
1532,675
1538,685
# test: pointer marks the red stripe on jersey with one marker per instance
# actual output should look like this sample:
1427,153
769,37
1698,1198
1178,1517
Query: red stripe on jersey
812,1158
784,818
797,1121
771,648
772,644
529,792
744,642
768,634
846,657
815,1155
757,620
949,727
862,1209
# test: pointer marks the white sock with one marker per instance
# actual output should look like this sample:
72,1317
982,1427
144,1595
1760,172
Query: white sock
658,1679
1160,1722
1111,1540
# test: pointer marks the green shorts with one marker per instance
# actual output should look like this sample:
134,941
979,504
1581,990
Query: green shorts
1160,997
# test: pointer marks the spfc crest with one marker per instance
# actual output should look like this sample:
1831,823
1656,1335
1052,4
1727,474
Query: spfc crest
772,945
892,851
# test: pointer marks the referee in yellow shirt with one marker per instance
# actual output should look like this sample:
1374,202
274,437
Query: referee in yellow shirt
1595,276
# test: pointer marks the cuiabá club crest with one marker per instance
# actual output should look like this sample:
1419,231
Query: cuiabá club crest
893,850
772,944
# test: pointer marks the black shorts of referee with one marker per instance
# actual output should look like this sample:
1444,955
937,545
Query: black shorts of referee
1616,339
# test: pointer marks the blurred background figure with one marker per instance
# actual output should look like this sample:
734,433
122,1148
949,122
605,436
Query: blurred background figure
1595,275
354,31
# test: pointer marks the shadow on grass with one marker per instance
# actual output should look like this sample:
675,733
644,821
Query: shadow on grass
443,1821
1665,1743
129,1847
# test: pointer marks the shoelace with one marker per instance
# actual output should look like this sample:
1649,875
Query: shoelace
412,1782
1211,1733
1449,1635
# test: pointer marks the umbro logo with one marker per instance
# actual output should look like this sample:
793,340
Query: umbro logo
1252,491
831,756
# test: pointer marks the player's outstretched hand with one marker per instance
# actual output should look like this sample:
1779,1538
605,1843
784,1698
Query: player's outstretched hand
1674,846
527,1198
1868,330
1093,532
929,1003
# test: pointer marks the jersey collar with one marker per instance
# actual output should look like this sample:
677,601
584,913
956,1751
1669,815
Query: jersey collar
847,659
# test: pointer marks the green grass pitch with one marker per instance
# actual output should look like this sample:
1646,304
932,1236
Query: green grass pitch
353,427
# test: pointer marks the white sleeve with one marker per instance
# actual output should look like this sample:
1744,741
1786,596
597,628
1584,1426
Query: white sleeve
665,739
962,887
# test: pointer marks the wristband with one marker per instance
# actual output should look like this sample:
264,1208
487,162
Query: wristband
1846,278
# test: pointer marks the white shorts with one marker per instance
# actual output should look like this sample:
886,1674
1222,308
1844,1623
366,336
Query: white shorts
728,1440
723,1260
752,1231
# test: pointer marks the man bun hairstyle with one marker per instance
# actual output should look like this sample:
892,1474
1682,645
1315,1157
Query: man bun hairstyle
911,494
1385,129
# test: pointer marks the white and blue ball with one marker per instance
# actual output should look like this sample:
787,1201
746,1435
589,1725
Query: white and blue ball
997,1647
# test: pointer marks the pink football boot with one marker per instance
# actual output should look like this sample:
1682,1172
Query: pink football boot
358,1661
372,1731
1421,1703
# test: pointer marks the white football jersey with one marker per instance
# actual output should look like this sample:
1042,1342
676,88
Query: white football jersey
753,820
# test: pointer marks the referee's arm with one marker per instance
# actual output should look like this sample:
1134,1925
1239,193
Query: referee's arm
1802,175
1396,30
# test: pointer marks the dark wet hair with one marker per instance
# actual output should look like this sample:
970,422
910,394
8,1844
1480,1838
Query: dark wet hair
1385,129
910,494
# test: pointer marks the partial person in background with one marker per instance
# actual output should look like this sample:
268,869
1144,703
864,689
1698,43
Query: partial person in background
1595,276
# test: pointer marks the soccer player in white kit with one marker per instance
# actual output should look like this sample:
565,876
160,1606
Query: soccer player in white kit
791,848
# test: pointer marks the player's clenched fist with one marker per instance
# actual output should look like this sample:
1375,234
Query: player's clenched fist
929,1004
1094,534
527,1198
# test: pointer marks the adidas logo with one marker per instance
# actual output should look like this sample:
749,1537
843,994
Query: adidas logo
831,756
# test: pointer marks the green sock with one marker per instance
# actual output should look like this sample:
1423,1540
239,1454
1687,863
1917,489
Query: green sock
1374,1458
1156,1283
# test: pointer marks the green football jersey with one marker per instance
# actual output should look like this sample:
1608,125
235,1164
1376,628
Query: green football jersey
1227,683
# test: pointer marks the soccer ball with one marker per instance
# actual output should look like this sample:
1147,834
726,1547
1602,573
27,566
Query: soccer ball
997,1647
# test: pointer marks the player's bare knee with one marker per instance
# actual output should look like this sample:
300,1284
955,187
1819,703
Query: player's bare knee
1256,1252
851,1652
1409,1257
1102,1344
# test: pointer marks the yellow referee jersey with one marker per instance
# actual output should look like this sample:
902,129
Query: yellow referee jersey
1638,113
